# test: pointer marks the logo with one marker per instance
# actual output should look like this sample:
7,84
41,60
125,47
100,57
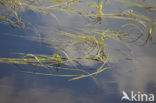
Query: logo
137,97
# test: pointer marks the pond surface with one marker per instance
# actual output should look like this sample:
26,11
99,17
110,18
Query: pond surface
132,65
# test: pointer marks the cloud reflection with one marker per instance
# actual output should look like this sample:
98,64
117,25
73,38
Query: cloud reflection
129,75
10,93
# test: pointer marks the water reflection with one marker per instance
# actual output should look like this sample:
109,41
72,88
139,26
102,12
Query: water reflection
132,66
11,94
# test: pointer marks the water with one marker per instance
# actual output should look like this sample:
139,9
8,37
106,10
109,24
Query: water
137,74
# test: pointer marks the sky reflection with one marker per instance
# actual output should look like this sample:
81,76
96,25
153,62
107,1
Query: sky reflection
137,73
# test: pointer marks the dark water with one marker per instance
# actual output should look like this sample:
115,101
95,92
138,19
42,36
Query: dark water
138,74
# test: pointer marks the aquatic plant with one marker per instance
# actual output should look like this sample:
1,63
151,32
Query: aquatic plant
93,45
62,60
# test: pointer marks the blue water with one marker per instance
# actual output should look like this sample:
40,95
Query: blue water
19,87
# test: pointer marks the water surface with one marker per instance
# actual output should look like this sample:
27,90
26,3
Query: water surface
137,74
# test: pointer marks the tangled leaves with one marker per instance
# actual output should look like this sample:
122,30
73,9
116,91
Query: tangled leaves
83,41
